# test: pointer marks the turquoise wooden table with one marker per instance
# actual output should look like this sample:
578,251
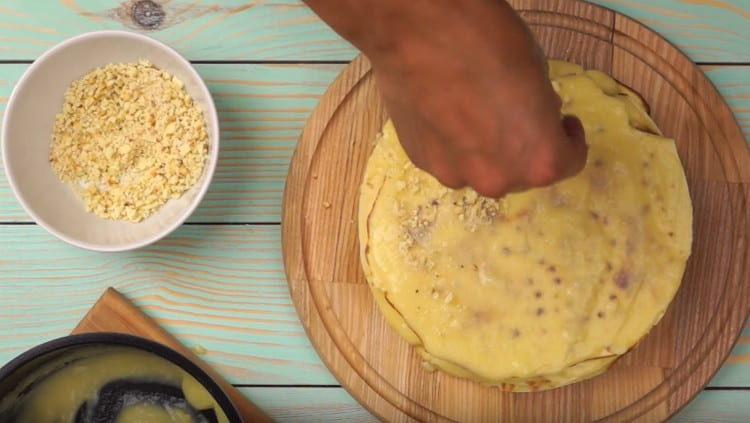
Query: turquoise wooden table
217,283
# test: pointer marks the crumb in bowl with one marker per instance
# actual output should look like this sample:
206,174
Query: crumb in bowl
129,139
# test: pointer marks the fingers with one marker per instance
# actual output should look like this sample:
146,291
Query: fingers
563,154
428,153
546,154
443,165
489,176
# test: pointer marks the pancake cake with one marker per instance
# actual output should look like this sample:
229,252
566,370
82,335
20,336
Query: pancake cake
542,288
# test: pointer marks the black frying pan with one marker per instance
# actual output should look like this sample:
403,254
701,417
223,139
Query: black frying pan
19,368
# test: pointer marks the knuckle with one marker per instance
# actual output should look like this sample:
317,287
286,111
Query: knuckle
487,175
543,169
543,175
452,183
448,178
490,187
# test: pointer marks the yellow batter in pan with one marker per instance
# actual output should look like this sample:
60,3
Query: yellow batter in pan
541,288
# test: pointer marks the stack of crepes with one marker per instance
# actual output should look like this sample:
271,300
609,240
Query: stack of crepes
541,288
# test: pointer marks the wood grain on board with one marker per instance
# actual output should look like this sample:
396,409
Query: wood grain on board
707,30
650,383
112,312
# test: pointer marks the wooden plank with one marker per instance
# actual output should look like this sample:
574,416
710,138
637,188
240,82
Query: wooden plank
736,370
312,405
717,407
262,109
218,287
733,82
335,404
113,312
708,30
204,30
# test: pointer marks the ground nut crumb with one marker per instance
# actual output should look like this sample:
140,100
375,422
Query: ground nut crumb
129,139
427,366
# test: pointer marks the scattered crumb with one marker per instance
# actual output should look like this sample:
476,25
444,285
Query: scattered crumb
199,350
326,205
426,365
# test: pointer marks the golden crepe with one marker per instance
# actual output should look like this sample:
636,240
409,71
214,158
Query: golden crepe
542,288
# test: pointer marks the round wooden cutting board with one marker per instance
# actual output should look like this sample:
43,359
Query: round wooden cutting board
652,381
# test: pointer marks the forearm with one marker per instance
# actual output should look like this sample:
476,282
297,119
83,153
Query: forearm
384,28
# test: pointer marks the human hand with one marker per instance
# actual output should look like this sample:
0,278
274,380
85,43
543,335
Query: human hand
466,86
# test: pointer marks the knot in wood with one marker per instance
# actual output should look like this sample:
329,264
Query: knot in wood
147,14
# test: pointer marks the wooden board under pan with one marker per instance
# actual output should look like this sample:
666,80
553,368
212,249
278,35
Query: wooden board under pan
651,382
112,312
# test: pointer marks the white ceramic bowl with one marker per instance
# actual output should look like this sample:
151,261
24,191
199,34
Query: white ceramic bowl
27,129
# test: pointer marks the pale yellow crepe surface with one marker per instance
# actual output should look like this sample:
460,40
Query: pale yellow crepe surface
541,288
